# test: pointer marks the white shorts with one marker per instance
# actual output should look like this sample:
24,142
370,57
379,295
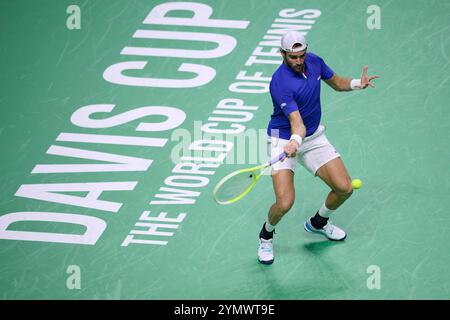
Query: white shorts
314,152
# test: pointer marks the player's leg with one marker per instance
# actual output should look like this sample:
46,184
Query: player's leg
283,185
320,158
335,175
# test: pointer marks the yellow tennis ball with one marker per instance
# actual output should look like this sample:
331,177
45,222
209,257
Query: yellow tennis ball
356,183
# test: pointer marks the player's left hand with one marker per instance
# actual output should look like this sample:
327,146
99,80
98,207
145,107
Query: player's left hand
366,80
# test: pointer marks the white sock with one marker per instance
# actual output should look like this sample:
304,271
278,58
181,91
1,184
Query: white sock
325,212
269,227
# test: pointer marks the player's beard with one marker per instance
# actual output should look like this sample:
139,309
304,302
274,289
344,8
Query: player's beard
300,68
296,68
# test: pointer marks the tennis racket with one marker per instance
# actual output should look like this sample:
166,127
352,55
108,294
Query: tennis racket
237,184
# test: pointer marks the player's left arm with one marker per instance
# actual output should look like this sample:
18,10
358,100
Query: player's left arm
339,83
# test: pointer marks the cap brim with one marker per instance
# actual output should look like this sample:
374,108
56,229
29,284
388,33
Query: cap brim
297,49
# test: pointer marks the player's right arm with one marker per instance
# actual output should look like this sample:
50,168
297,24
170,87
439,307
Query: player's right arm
283,96
297,128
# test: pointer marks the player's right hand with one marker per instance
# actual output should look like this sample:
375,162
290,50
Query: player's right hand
291,148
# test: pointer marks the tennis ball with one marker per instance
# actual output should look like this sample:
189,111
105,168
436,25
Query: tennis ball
356,183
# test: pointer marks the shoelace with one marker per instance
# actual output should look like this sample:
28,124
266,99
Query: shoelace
266,247
329,227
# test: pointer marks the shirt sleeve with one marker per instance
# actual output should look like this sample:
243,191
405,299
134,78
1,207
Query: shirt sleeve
326,72
284,99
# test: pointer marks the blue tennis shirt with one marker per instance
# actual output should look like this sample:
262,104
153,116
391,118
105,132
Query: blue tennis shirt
291,91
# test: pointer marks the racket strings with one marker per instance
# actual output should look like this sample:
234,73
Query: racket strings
234,186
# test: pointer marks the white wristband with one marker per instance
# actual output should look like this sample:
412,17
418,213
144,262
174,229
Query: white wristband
355,84
297,138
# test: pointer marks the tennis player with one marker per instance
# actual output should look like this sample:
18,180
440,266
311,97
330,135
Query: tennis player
295,128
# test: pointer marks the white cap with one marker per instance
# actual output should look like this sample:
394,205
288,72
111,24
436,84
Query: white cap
291,38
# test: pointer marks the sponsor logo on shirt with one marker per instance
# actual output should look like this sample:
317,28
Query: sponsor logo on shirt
283,105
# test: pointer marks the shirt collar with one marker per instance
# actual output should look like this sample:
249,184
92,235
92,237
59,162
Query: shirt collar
302,75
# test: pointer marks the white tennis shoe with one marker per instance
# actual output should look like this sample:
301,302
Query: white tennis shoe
265,251
330,231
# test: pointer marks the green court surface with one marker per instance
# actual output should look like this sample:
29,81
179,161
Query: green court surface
80,215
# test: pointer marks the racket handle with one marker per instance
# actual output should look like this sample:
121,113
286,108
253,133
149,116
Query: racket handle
279,157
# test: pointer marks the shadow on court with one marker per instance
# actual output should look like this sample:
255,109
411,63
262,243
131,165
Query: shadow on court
320,246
